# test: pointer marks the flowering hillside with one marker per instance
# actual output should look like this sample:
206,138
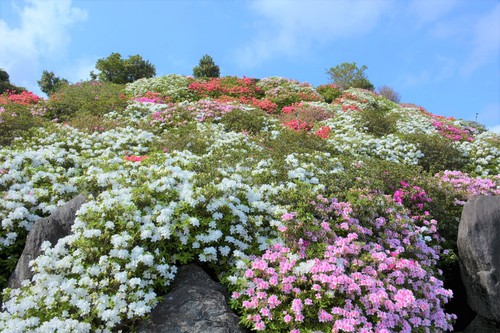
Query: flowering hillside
321,210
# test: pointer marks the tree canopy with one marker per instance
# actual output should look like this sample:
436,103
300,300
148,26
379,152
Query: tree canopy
117,70
206,68
49,82
348,75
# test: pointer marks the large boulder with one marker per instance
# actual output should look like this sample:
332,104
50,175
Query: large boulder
479,253
482,325
51,228
195,304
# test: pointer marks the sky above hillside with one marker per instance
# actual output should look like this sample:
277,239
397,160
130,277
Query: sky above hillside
443,55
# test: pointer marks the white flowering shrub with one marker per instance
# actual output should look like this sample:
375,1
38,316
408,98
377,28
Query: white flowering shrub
173,86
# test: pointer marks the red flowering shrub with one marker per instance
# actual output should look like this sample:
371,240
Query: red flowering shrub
23,98
323,132
226,86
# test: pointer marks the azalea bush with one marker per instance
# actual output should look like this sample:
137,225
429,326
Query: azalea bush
89,98
21,98
285,92
330,92
344,269
173,87
319,216
226,86
16,120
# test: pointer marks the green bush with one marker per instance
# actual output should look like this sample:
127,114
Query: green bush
252,121
92,97
15,121
440,153
330,92
378,120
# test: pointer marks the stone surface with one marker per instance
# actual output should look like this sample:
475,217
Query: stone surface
479,254
50,229
195,304
482,325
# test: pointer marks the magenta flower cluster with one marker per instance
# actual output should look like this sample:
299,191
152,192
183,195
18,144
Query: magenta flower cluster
453,133
468,186
347,269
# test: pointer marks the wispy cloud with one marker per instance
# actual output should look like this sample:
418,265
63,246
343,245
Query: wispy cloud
288,27
43,33
486,45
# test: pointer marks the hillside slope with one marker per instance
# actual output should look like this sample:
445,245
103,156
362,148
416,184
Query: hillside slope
319,208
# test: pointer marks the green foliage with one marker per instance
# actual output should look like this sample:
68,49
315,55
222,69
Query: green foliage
94,98
114,69
15,121
183,138
348,75
440,153
252,121
50,83
206,68
389,93
330,92
378,120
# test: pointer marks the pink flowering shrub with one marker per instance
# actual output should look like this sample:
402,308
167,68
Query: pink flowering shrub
467,186
363,266
178,114
152,97
263,104
453,133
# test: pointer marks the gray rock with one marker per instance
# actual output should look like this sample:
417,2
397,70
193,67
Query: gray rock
50,229
482,325
479,254
195,304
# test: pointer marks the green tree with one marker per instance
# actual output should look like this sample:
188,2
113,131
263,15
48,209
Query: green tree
5,83
206,68
114,69
50,83
348,75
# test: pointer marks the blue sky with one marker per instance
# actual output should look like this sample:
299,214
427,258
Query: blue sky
441,54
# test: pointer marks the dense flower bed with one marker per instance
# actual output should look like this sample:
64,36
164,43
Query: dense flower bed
264,182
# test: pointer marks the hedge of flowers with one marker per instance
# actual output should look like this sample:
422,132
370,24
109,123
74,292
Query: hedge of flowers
286,214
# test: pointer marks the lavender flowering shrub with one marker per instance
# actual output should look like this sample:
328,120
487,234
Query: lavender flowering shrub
347,267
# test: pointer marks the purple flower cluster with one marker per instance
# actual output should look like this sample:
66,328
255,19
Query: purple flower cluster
354,267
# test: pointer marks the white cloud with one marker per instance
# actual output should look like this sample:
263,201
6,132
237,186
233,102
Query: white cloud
288,27
486,42
43,33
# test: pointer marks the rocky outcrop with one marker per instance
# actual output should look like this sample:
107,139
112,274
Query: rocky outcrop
50,229
482,325
479,252
195,304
